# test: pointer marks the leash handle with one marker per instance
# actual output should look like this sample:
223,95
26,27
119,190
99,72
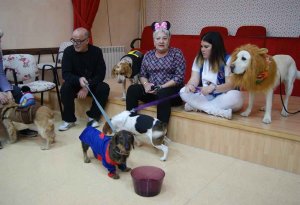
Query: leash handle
101,109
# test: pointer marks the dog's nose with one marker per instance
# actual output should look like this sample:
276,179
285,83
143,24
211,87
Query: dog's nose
232,67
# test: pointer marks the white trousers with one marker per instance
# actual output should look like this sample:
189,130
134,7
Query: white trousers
232,99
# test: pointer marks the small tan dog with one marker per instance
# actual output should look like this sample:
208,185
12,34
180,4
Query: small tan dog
41,116
256,71
128,67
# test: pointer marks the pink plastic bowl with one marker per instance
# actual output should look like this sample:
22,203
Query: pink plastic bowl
147,180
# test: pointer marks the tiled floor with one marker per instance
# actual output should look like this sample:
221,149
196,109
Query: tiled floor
29,176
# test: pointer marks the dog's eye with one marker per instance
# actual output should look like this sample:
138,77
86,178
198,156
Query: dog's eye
243,59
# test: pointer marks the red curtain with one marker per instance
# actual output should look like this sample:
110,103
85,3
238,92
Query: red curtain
84,14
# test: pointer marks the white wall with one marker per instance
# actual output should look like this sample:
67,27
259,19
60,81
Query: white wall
280,17
35,23
47,23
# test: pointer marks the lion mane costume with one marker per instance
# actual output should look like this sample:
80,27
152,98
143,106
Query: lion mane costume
260,75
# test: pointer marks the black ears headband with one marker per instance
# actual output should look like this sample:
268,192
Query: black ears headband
163,25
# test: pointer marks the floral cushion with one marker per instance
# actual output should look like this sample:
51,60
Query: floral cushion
39,86
23,64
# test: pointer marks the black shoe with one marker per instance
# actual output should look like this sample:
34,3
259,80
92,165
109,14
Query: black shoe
1,145
28,133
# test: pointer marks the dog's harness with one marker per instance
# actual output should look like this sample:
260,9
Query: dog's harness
23,115
137,58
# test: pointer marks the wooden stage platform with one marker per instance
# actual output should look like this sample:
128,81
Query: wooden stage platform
274,145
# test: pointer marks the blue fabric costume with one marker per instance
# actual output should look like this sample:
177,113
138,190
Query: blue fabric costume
99,143
26,100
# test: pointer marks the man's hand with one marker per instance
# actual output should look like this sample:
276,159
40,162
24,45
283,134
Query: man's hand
82,93
83,82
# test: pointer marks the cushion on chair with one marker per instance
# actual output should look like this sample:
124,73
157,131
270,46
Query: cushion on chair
251,31
222,30
39,86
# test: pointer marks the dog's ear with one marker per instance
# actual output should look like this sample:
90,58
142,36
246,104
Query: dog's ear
113,71
115,139
130,137
106,129
263,51
127,70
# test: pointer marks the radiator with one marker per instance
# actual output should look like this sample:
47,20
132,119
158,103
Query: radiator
112,55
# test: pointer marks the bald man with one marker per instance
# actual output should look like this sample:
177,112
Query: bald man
82,64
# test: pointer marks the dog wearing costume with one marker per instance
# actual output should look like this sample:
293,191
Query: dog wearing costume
256,71
112,151
41,116
141,126
128,67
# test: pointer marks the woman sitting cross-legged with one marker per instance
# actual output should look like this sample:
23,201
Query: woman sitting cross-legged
163,69
209,88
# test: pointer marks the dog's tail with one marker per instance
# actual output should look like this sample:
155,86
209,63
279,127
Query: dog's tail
106,129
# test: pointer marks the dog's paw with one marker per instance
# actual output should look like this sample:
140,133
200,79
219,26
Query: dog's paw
87,160
163,159
284,113
113,175
123,98
11,141
267,120
127,169
44,147
245,114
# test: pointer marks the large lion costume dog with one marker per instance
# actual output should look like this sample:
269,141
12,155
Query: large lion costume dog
256,71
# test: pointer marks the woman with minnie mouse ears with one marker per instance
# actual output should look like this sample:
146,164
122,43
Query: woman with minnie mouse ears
161,75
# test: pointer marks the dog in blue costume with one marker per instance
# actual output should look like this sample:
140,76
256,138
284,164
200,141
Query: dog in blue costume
113,151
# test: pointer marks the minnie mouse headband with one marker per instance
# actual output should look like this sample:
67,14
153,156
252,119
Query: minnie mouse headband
163,25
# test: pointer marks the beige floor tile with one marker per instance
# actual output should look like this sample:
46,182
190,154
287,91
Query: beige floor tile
31,176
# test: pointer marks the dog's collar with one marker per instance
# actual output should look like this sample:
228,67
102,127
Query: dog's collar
118,152
125,60
264,74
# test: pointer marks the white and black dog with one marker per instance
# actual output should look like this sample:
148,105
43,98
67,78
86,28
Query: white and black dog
141,125
128,67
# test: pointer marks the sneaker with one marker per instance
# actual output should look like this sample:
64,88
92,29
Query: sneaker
66,125
189,108
28,133
93,123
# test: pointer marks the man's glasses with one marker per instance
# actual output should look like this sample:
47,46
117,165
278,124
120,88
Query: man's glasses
77,41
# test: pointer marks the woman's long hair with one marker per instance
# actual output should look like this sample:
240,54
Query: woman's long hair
218,52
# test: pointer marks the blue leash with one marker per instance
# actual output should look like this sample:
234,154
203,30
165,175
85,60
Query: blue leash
102,110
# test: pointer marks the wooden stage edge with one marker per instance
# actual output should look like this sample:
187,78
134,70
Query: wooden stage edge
275,145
